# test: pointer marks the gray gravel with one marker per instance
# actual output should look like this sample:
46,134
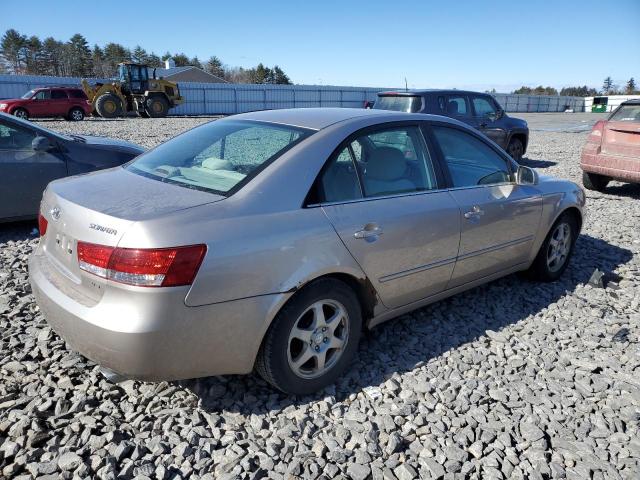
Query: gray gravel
510,380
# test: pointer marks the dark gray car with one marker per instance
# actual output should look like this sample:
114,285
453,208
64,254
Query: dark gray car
31,156
480,110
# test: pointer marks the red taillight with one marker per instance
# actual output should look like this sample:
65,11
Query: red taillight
42,225
147,267
597,131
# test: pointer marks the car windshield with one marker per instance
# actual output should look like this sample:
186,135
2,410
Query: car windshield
219,156
398,103
626,113
29,94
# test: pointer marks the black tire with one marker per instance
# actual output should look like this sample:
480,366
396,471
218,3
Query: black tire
109,106
21,113
76,114
273,360
156,107
143,114
515,149
540,269
593,181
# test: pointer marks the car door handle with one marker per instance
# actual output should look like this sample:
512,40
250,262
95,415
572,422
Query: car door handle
370,230
475,212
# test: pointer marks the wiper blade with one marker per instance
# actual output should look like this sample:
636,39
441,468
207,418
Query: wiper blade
78,138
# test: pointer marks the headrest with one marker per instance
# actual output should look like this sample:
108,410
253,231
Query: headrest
386,163
213,163
452,107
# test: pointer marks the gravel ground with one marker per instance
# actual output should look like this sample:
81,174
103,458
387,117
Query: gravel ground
510,380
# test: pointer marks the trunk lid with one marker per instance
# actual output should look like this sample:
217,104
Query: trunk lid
99,208
621,138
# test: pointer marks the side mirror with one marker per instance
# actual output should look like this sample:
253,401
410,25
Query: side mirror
41,144
499,114
526,176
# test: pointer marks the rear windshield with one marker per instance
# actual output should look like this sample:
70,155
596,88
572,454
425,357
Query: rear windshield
398,103
218,157
626,113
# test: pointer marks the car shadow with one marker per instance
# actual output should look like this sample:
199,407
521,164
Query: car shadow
18,231
624,190
412,340
534,163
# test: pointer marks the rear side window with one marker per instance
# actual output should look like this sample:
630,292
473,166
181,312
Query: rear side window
469,160
76,94
457,106
399,103
626,113
384,162
58,94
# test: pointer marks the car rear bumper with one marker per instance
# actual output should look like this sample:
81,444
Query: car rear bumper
618,167
153,335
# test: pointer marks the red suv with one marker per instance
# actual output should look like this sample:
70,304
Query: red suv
70,103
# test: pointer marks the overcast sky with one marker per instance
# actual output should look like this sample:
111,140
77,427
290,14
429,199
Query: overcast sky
480,45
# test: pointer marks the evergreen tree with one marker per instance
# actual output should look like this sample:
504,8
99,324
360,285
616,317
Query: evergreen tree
181,60
631,86
12,49
279,77
607,85
139,55
80,59
33,56
214,67
153,60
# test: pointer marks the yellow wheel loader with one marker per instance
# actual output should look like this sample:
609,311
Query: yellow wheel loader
133,91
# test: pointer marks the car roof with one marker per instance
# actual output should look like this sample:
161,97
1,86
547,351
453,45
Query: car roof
319,118
311,118
632,101
427,91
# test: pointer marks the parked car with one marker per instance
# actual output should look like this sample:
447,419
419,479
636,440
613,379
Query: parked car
480,110
32,156
69,103
202,257
612,151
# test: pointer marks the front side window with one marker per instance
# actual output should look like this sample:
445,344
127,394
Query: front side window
58,94
384,162
218,156
626,113
470,161
43,95
483,107
15,138
457,106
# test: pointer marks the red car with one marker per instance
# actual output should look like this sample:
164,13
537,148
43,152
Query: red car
612,151
70,103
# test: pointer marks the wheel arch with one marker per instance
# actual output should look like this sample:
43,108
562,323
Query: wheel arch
520,136
361,286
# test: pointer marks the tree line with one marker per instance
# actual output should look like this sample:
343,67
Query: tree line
24,55
608,88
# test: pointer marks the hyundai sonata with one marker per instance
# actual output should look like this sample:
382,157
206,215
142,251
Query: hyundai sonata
269,240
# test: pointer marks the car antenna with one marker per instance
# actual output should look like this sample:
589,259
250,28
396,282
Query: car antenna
406,87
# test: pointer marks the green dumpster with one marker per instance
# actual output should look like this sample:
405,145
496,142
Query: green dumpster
599,104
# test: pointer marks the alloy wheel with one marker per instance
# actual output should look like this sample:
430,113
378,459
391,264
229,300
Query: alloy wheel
21,114
318,339
77,115
559,247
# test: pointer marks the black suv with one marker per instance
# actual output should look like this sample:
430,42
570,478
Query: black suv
479,110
